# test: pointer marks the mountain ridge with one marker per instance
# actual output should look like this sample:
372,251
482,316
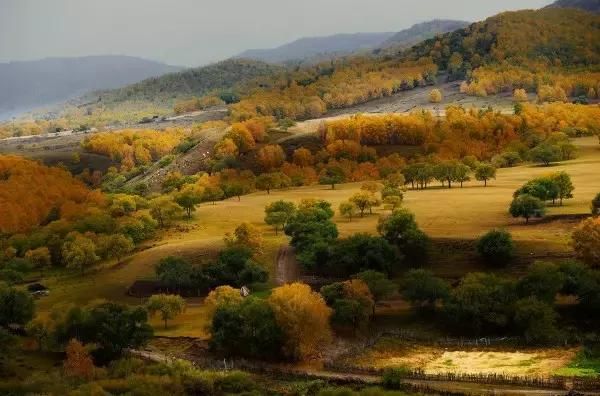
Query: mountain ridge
25,85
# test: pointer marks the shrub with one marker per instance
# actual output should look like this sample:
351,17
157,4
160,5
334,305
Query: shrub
596,205
393,377
496,247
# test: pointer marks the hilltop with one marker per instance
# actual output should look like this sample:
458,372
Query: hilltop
25,85
422,31
587,5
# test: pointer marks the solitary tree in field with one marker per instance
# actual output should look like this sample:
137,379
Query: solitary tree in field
435,96
392,202
527,206
348,210
485,172
332,175
362,200
545,154
188,198
167,305
496,247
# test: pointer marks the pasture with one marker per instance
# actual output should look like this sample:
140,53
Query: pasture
453,218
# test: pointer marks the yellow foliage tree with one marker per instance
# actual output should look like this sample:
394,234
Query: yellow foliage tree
303,316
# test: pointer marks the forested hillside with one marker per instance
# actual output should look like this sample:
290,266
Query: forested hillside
191,82
422,31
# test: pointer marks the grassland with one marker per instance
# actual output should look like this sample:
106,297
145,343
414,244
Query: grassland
454,218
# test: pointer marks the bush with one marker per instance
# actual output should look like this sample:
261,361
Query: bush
235,382
496,247
392,377
596,205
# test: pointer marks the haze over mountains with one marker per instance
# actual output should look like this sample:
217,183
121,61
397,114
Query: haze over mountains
31,84
25,85
588,5
318,48
307,47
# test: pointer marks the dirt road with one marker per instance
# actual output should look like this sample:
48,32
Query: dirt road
288,269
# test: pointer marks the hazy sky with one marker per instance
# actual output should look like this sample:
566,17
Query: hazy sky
195,32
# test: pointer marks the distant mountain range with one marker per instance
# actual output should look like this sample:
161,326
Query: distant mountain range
587,5
422,31
25,85
311,47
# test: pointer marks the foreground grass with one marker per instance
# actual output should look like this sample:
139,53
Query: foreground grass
581,366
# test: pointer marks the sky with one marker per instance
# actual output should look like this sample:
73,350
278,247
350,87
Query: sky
197,32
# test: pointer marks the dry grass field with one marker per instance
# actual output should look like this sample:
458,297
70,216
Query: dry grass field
454,218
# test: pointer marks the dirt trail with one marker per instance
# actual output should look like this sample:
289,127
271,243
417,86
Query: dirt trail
288,269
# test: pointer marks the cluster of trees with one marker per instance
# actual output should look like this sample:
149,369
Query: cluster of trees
421,174
194,104
80,241
32,194
489,304
134,147
309,92
235,265
550,84
315,237
353,301
293,322
530,200
109,326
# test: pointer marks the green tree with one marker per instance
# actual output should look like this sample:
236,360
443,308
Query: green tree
120,245
545,154
527,206
422,289
168,305
332,175
247,329
174,273
536,320
400,228
348,210
164,210
278,213
542,281
16,306
271,181
379,285
79,253
212,194
481,302
496,247
188,198
564,185
485,172
596,205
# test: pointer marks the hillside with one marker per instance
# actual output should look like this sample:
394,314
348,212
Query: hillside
422,31
25,85
310,47
191,82
563,37
587,5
